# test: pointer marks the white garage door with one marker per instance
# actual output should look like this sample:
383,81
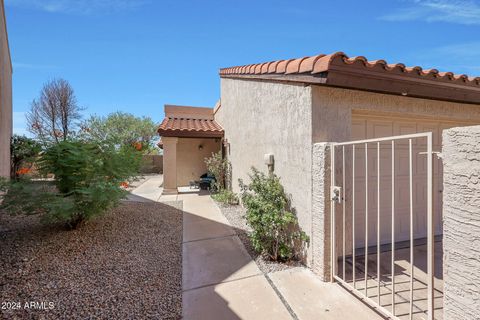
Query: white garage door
369,127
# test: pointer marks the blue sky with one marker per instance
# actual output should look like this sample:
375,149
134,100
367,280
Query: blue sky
137,55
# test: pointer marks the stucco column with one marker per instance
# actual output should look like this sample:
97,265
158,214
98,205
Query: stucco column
320,241
170,165
461,222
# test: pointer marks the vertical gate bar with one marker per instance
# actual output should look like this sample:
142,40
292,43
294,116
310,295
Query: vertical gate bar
332,220
353,217
366,219
393,227
410,166
430,235
343,213
378,221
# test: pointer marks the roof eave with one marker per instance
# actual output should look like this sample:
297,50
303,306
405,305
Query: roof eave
378,82
190,134
306,78
393,84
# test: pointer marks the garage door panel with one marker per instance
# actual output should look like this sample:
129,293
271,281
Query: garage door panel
433,127
377,129
364,127
402,165
401,128
359,129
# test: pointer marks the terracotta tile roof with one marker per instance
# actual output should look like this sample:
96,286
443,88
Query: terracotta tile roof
324,63
198,122
180,124
339,70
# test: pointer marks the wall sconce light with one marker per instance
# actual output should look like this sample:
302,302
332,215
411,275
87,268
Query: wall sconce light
270,162
200,147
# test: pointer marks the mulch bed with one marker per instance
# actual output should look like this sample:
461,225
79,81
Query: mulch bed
235,214
126,264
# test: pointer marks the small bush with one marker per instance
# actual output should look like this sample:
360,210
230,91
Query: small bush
275,227
226,197
23,153
88,179
220,168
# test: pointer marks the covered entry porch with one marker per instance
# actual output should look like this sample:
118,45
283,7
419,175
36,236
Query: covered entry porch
188,136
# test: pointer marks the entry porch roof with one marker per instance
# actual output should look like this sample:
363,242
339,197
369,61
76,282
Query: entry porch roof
189,122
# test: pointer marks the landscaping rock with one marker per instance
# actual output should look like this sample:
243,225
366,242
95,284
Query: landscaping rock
126,264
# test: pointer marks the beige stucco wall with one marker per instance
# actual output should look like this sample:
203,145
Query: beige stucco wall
333,108
287,119
170,165
461,238
260,118
191,158
321,223
5,98
333,111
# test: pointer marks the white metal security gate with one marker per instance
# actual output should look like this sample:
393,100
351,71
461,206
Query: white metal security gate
366,186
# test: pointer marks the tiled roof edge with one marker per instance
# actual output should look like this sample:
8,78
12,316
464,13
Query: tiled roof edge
323,63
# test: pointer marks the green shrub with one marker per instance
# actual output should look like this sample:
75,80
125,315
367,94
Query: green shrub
220,168
226,197
276,232
23,153
88,178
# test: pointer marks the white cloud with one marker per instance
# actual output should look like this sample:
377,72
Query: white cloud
458,58
466,50
85,7
453,11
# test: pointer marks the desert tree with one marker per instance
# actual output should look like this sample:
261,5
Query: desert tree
121,129
53,116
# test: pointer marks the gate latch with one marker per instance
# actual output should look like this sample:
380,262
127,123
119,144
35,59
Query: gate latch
336,194
437,153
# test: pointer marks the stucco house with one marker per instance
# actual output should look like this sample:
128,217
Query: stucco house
5,96
354,142
188,136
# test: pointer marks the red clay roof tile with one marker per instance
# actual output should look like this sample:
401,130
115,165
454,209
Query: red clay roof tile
323,63
294,65
172,126
308,63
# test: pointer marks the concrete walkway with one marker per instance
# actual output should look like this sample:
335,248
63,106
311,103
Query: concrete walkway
311,299
221,281
149,189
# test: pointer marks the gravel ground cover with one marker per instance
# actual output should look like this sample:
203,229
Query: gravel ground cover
235,215
124,265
